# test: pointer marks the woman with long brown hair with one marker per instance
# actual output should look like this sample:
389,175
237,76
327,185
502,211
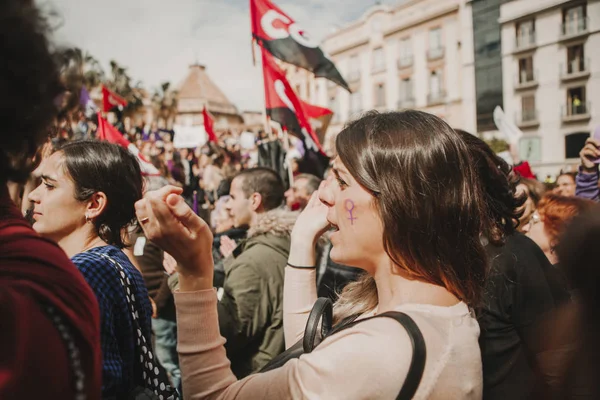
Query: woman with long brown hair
406,204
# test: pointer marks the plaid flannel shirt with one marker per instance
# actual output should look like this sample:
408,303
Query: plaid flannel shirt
121,369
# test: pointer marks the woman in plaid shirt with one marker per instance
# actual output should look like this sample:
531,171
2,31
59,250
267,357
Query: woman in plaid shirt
84,203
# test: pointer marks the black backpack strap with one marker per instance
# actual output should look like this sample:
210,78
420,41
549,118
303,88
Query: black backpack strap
417,363
419,355
322,312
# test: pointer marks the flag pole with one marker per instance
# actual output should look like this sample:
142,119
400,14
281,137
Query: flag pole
253,55
286,146
266,118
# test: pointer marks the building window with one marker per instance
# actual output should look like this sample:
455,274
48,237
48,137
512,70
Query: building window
574,20
378,60
525,33
355,103
379,95
435,84
530,148
528,112
405,56
526,70
576,101
575,59
436,50
354,68
574,143
406,98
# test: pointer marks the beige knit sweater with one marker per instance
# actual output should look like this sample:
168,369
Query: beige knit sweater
367,361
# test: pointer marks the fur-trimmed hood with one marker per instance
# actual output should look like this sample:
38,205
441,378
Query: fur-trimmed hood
278,222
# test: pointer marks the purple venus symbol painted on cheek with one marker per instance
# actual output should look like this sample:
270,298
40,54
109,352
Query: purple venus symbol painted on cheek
349,204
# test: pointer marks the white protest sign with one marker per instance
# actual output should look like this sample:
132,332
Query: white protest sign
189,136
508,128
247,140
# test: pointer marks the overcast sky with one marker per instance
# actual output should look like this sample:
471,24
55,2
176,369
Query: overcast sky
157,40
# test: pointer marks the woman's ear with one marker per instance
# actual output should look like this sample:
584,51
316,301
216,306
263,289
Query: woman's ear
96,206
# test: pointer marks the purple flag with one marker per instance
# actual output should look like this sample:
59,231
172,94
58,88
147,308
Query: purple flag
87,103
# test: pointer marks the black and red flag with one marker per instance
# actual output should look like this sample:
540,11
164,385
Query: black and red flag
319,118
284,107
286,40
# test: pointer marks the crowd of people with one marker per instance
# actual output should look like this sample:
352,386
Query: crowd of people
420,265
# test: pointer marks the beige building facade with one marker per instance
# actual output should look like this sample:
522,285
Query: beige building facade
551,77
418,54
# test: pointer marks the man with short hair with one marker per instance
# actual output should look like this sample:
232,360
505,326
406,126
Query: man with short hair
298,195
251,308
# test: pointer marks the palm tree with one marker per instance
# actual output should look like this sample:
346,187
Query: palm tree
164,104
120,83
78,69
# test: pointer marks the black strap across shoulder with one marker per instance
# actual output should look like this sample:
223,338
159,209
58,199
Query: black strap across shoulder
321,312
156,381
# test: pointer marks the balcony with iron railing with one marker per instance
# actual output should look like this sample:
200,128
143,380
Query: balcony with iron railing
526,79
405,61
527,119
435,53
574,29
407,102
525,42
578,68
436,98
576,111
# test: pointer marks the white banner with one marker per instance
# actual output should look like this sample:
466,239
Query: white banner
247,140
507,127
189,136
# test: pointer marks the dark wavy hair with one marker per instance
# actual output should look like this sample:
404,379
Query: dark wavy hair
429,199
499,188
108,168
29,86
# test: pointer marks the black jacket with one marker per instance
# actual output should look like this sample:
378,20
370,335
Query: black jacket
522,290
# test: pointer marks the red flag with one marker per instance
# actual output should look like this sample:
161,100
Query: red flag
313,111
283,106
111,99
209,126
109,133
524,169
275,31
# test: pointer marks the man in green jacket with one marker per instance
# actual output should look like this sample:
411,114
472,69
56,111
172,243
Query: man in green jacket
251,307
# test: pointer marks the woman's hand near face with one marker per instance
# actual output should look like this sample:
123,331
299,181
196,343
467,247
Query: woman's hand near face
310,225
170,223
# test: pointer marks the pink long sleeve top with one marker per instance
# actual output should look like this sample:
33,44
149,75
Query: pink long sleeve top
367,361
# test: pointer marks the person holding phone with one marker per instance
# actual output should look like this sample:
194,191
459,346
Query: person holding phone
587,178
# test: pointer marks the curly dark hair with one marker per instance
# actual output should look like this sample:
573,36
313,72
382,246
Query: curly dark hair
499,186
30,85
